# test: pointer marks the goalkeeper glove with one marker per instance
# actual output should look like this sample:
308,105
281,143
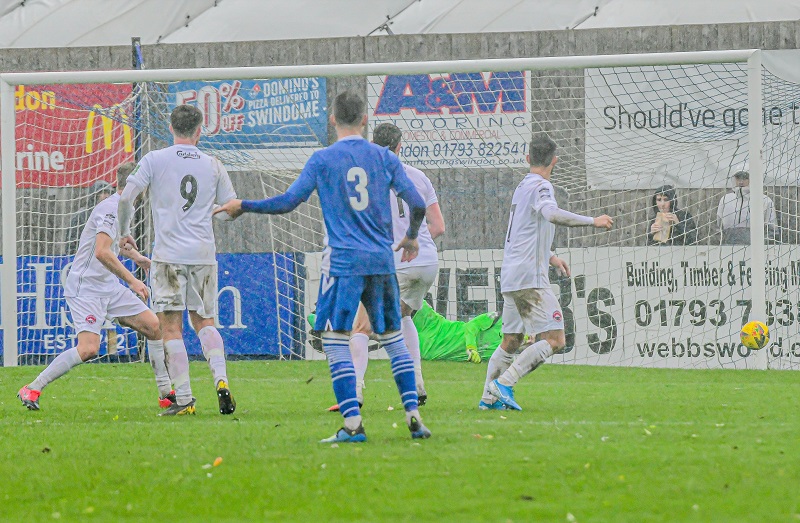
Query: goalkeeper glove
473,356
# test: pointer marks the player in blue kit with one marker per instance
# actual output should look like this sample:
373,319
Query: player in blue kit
353,179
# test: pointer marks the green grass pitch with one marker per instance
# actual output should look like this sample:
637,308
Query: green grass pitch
593,444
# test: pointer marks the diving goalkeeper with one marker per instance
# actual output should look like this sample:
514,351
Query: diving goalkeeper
443,339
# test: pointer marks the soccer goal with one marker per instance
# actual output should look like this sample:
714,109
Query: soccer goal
704,197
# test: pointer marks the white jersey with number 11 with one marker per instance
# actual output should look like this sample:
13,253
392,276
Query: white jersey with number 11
526,256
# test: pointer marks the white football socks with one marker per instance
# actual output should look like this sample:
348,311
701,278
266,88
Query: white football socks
412,414
178,367
57,368
352,422
359,350
498,364
214,351
528,361
155,349
411,336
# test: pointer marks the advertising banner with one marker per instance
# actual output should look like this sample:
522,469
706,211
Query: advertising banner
458,120
643,307
259,117
248,310
71,135
684,125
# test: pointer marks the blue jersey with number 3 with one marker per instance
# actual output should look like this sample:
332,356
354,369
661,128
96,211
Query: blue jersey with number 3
353,178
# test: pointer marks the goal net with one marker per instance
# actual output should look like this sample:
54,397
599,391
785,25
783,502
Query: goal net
662,143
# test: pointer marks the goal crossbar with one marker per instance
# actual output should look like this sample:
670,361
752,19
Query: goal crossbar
394,68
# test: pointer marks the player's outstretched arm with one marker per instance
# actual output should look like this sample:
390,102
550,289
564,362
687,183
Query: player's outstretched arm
125,215
560,265
603,222
557,216
433,215
416,206
110,261
471,330
297,193
277,205
138,258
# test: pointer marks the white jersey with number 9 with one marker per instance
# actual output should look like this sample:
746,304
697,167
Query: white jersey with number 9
185,184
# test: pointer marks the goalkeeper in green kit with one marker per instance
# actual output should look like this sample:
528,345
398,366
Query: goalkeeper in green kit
443,339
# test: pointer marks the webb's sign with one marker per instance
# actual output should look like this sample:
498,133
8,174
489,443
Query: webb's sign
71,135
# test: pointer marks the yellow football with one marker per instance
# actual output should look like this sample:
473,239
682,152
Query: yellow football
755,335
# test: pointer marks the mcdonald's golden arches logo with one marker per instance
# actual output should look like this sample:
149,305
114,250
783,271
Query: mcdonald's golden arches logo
108,118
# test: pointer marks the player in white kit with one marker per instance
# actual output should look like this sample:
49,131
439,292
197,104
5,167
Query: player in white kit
414,278
94,293
529,304
185,185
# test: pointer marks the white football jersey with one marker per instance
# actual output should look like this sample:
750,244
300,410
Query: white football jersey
87,277
526,256
184,183
401,219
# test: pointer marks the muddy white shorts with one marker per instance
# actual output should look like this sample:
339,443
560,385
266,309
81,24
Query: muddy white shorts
177,287
531,311
414,284
89,313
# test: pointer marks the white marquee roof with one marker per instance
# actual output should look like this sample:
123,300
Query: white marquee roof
64,23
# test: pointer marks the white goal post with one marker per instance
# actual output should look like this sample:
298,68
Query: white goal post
615,76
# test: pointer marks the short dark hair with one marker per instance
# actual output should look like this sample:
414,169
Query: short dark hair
387,135
742,175
348,109
185,120
542,150
123,171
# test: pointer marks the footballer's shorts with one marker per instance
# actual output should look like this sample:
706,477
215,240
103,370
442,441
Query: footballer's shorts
415,282
339,297
177,287
89,314
531,311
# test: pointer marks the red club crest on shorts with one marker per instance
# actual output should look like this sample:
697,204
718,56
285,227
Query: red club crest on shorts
557,316
91,320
